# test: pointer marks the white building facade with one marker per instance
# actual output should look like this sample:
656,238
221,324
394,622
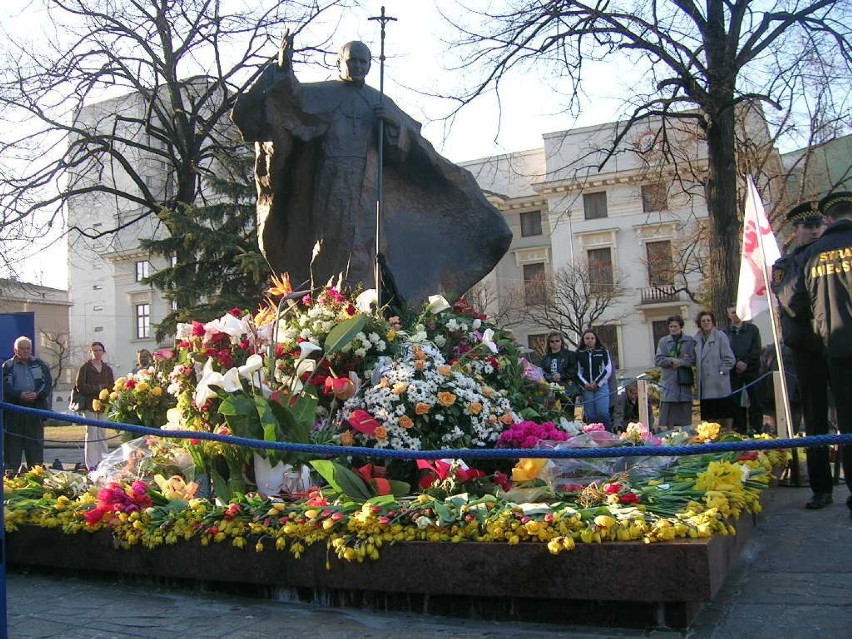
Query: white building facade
631,218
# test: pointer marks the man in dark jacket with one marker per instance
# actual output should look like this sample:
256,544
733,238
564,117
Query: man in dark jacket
808,361
745,342
828,283
26,382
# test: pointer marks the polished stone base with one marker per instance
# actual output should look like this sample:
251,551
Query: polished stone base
612,584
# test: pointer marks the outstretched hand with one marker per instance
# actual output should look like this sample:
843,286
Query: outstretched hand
285,51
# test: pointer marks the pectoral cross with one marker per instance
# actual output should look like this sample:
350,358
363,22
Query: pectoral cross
353,115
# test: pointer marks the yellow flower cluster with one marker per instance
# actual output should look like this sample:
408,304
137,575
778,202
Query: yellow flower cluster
358,532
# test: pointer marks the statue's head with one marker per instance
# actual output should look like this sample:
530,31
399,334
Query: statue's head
354,61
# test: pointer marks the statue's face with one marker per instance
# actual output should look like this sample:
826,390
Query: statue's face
354,62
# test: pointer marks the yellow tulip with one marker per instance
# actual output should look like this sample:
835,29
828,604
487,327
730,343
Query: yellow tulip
527,469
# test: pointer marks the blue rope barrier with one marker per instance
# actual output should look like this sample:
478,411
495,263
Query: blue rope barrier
468,453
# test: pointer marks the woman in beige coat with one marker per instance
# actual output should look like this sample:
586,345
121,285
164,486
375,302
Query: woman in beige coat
714,360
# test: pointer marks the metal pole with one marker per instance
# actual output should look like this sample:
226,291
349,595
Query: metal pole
3,619
377,269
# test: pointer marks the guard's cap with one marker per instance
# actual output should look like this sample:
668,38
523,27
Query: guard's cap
839,198
806,213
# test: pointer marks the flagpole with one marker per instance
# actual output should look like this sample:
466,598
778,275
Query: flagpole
377,272
767,277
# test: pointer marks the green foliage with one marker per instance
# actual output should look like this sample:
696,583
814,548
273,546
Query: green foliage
217,264
346,483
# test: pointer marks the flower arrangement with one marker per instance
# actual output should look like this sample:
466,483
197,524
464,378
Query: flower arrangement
138,398
419,401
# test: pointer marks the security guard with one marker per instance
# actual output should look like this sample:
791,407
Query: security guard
828,281
809,365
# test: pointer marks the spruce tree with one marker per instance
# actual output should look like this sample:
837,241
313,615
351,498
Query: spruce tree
215,262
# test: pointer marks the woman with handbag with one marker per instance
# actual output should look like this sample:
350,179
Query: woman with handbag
676,357
714,361
93,377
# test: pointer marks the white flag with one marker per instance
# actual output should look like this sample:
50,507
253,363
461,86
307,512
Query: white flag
760,250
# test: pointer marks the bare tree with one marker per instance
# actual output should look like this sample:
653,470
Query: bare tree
701,61
181,61
57,351
576,298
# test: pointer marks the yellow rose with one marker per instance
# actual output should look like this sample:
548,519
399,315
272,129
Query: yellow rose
399,388
380,433
113,396
445,370
406,422
104,394
156,391
421,408
119,383
141,387
475,408
97,406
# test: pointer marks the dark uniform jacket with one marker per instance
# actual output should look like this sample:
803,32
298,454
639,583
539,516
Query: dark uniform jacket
797,330
828,284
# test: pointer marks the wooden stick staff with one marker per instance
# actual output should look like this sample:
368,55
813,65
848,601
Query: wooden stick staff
377,273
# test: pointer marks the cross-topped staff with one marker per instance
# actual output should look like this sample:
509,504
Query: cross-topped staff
383,20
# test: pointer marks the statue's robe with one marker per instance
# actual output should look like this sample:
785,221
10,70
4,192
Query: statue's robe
316,173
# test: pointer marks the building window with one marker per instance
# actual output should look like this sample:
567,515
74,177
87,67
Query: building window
654,198
660,263
594,205
173,261
534,284
143,321
608,335
660,329
97,307
600,268
97,287
537,344
530,223
142,270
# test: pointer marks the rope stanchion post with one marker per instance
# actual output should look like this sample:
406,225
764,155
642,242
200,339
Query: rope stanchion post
644,406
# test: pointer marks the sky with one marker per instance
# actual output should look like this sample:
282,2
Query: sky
416,64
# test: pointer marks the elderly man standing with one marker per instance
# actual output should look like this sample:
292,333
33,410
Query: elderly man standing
26,382
746,344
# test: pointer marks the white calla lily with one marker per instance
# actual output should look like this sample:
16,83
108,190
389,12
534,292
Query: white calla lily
253,364
488,340
231,381
307,349
204,390
366,300
227,324
437,303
